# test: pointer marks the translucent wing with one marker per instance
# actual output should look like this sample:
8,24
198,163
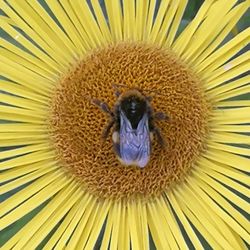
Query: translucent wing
134,143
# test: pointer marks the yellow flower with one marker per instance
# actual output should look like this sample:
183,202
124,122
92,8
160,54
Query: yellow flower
61,174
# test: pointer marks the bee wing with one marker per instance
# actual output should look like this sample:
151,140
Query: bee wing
134,144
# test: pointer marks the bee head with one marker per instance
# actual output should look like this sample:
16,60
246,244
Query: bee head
134,106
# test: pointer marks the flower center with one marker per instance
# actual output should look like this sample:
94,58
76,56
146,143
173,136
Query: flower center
77,124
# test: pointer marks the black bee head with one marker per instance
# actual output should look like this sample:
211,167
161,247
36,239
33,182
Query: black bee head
134,108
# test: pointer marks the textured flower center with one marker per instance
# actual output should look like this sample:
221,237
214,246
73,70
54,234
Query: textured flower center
77,124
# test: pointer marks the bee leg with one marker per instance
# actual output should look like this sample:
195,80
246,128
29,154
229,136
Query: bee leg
160,139
160,116
106,130
103,106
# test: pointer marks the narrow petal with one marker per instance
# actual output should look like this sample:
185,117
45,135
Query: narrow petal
158,229
85,223
94,229
67,229
54,216
228,23
235,161
222,190
231,116
217,230
227,137
166,211
20,102
225,210
229,182
210,233
186,224
234,104
231,128
67,25
31,228
159,20
228,148
114,12
129,19
60,54
233,93
88,23
27,159
25,179
226,170
224,53
185,37
23,91
176,21
30,197
14,173
101,20
140,17
124,240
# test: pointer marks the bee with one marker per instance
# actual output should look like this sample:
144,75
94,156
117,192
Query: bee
133,119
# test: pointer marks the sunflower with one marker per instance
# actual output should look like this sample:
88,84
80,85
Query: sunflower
63,185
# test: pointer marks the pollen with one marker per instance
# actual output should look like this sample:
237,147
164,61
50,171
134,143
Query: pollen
76,124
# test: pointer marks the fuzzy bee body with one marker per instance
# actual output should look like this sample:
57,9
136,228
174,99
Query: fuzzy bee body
133,121
132,134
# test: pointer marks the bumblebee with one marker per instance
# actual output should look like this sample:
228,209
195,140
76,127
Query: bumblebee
133,121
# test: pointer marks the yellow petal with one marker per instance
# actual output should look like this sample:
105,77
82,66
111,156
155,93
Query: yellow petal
224,53
65,230
160,20
59,58
24,201
231,116
101,20
90,213
216,229
94,231
184,38
26,169
115,18
202,224
228,148
35,226
176,21
231,128
222,190
226,137
191,234
229,214
67,25
233,93
228,181
141,9
234,104
124,241
157,229
27,159
206,32
23,91
20,102
229,159
229,22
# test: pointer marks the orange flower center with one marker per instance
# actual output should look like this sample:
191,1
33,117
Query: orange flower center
77,124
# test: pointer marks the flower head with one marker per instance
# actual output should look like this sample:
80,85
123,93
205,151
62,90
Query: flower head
58,58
